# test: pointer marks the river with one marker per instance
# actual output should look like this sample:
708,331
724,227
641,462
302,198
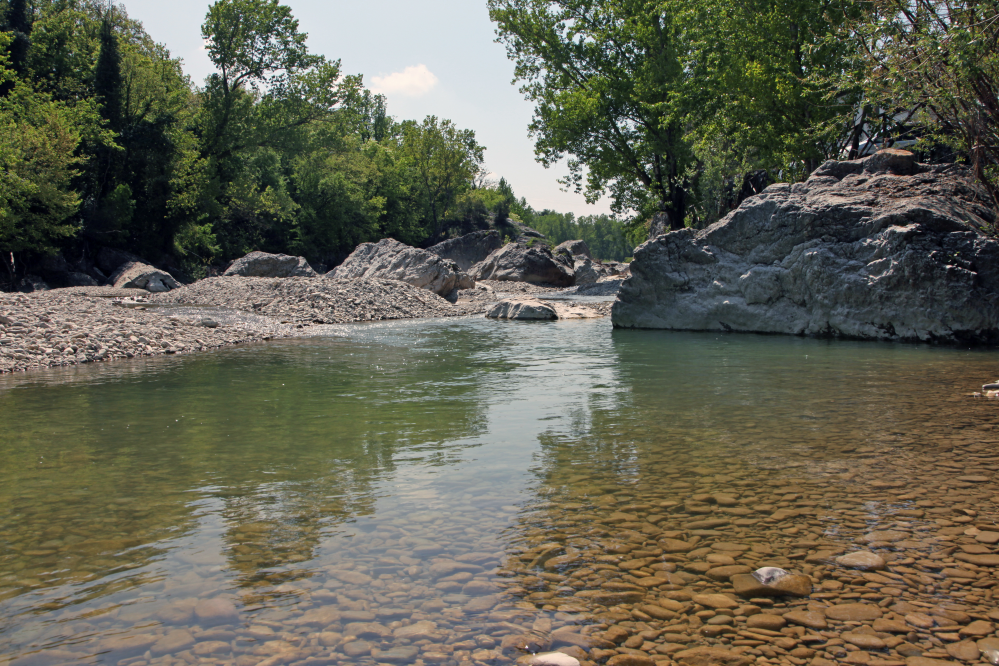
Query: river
436,491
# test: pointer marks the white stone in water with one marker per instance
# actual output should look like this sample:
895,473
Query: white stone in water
553,659
769,575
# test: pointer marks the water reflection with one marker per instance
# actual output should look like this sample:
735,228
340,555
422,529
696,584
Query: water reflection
456,491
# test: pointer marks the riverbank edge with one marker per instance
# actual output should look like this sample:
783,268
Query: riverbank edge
77,325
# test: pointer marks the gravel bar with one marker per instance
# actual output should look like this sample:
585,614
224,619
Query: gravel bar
65,327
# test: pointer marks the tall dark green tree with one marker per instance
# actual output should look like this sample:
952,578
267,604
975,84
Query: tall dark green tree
18,20
107,74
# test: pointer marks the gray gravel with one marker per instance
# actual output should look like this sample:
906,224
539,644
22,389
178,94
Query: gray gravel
65,327
306,301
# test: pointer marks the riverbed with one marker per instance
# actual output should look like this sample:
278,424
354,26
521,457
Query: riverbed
466,491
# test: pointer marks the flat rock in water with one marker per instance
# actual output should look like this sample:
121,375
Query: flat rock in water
766,621
357,648
926,661
979,560
401,654
630,660
715,601
810,619
216,611
553,659
853,612
795,585
862,559
832,256
711,656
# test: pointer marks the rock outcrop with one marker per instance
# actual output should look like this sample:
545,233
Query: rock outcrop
468,250
577,248
264,264
518,262
587,271
878,248
134,275
388,259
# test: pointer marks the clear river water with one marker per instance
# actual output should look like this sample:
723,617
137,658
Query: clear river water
449,491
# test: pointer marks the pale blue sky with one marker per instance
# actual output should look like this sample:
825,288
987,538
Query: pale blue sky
428,57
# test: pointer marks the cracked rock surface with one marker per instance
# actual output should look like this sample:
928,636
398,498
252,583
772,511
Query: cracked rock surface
878,248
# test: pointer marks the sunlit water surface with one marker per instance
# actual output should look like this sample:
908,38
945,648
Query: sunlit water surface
393,473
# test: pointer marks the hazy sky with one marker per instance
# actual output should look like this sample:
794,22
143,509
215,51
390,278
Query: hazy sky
429,57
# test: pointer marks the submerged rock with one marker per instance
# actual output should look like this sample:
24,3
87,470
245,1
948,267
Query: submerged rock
518,262
862,559
389,259
878,248
264,264
553,659
772,582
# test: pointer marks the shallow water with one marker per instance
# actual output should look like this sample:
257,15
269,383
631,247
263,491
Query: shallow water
421,491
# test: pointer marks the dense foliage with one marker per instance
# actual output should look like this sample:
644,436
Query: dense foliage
668,105
106,143
678,107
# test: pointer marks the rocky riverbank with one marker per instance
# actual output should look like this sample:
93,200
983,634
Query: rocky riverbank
66,327
76,325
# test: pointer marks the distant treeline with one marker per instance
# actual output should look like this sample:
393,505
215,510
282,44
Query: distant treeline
105,142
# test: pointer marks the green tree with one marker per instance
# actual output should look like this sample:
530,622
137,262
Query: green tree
444,161
256,115
938,61
108,85
18,21
606,78
39,138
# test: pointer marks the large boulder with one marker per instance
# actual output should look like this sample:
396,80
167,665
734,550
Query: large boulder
534,309
518,262
31,284
264,264
391,260
586,270
577,248
878,248
135,275
522,308
468,250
